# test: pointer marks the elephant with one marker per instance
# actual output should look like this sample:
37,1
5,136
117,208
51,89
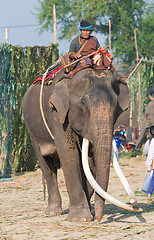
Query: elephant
147,123
85,106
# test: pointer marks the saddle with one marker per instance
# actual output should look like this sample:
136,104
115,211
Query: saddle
65,60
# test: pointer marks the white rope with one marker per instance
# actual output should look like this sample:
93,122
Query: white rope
41,107
41,93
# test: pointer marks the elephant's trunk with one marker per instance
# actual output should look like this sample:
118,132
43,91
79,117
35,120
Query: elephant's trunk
102,153
101,137
102,144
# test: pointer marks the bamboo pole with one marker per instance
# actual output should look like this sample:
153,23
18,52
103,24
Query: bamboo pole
110,36
54,23
6,34
139,76
130,75
131,110
137,59
89,55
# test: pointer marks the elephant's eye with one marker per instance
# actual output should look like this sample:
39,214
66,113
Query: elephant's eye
83,105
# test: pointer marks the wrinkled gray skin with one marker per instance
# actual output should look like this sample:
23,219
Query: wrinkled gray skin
85,106
147,123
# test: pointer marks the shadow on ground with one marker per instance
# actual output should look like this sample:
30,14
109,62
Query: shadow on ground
116,214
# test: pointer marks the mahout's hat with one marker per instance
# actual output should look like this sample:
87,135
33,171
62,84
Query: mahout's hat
85,25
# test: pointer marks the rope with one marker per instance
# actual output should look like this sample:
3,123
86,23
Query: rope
41,107
43,117
41,94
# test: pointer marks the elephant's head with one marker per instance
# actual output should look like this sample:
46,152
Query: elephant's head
91,102
147,123
87,92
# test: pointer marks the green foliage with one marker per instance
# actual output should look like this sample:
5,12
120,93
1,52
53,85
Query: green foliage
146,34
125,16
132,153
147,82
6,110
18,69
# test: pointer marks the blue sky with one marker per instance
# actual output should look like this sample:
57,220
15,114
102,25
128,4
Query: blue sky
19,13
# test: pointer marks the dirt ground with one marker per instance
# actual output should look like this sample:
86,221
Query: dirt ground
22,209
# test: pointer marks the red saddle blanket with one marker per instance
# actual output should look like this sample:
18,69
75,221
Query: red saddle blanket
50,75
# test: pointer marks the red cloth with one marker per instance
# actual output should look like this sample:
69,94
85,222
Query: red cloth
52,74
109,57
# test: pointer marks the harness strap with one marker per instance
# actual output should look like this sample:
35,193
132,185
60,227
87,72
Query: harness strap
83,45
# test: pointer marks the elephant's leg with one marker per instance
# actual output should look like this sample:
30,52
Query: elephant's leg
79,208
99,201
86,185
50,175
88,190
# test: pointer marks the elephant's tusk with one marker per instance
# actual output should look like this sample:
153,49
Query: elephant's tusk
95,185
121,176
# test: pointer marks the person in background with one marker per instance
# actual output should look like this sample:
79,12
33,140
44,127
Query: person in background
150,93
149,152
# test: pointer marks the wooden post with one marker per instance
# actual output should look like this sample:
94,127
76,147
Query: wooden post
131,109
6,34
139,77
110,36
130,75
54,23
137,59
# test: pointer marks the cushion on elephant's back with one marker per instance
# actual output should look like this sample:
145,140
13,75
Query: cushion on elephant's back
65,60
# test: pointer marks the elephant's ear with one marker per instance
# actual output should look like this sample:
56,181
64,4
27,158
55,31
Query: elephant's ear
123,97
60,99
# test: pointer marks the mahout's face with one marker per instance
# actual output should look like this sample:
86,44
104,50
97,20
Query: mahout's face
85,33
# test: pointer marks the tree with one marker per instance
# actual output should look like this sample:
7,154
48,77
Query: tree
125,16
146,34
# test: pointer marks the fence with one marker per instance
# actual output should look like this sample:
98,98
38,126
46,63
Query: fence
18,69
